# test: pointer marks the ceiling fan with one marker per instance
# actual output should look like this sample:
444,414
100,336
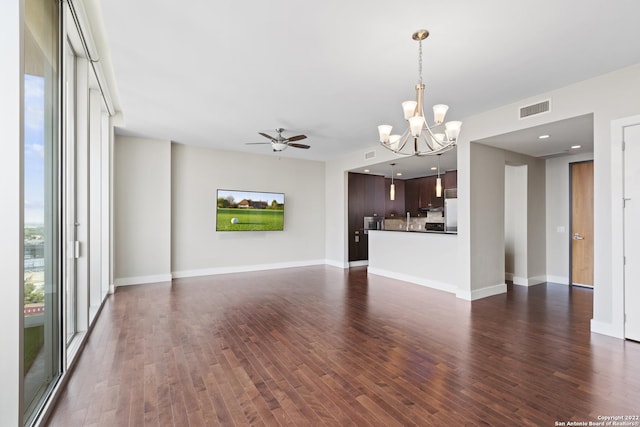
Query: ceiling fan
280,143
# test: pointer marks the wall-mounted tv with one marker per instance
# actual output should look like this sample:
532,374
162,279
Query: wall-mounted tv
249,211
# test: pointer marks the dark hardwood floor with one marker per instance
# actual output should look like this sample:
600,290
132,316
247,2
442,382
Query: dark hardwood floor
322,346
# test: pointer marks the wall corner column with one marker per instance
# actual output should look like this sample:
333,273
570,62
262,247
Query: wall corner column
11,213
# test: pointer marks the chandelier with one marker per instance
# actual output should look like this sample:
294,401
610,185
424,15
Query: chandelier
420,138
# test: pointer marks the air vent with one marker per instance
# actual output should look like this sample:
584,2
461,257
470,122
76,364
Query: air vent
532,110
370,155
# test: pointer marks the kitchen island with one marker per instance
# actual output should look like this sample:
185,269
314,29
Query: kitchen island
420,257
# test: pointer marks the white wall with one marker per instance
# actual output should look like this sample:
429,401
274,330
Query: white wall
536,219
487,219
609,97
487,208
11,212
515,223
421,258
142,210
197,248
557,193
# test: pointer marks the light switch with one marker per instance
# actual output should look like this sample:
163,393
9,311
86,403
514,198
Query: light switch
560,229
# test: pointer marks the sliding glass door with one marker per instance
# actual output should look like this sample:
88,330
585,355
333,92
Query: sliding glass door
42,332
71,248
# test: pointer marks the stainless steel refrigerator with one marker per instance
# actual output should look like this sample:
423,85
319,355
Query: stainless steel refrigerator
450,214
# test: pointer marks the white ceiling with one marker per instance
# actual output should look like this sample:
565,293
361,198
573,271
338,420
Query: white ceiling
562,136
215,73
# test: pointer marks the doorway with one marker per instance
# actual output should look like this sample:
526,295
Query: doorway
631,231
515,224
581,212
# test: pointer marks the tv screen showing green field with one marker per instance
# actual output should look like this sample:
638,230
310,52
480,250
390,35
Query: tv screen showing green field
249,211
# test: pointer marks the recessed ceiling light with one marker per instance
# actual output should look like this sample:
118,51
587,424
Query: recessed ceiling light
399,174
434,168
573,147
544,136
367,170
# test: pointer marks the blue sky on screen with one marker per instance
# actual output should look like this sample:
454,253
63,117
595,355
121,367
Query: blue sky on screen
33,150
251,195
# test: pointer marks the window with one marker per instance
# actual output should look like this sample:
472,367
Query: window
41,352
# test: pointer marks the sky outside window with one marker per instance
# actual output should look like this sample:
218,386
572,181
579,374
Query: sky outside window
33,150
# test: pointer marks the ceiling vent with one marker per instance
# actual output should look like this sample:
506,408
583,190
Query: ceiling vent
370,155
532,110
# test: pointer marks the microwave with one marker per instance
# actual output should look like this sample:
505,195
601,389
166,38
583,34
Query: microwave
372,223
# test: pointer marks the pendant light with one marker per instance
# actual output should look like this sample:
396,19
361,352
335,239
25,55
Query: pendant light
438,180
392,188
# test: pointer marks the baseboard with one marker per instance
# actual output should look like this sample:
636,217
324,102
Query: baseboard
363,263
520,281
141,280
441,286
334,263
604,328
537,280
528,281
245,268
508,277
561,280
483,292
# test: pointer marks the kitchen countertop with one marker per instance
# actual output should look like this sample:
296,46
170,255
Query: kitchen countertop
423,231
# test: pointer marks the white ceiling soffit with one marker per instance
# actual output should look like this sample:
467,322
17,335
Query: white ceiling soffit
561,136
412,166
217,73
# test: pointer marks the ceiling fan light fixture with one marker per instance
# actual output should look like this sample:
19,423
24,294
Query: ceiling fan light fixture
280,143
425,142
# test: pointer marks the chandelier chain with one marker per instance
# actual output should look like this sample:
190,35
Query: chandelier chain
420,62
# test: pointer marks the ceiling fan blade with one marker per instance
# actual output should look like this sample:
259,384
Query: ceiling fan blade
256,143
305,146
267,136
296,138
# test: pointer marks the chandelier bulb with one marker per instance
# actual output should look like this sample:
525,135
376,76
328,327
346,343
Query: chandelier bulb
384,131
416,123
409,109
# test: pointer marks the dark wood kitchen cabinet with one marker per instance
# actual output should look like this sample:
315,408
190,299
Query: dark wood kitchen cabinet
366,198
420,193
412,196
450,180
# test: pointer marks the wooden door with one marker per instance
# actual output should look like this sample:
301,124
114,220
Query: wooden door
582,223
632,232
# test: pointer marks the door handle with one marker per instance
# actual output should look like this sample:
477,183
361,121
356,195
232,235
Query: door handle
577,236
